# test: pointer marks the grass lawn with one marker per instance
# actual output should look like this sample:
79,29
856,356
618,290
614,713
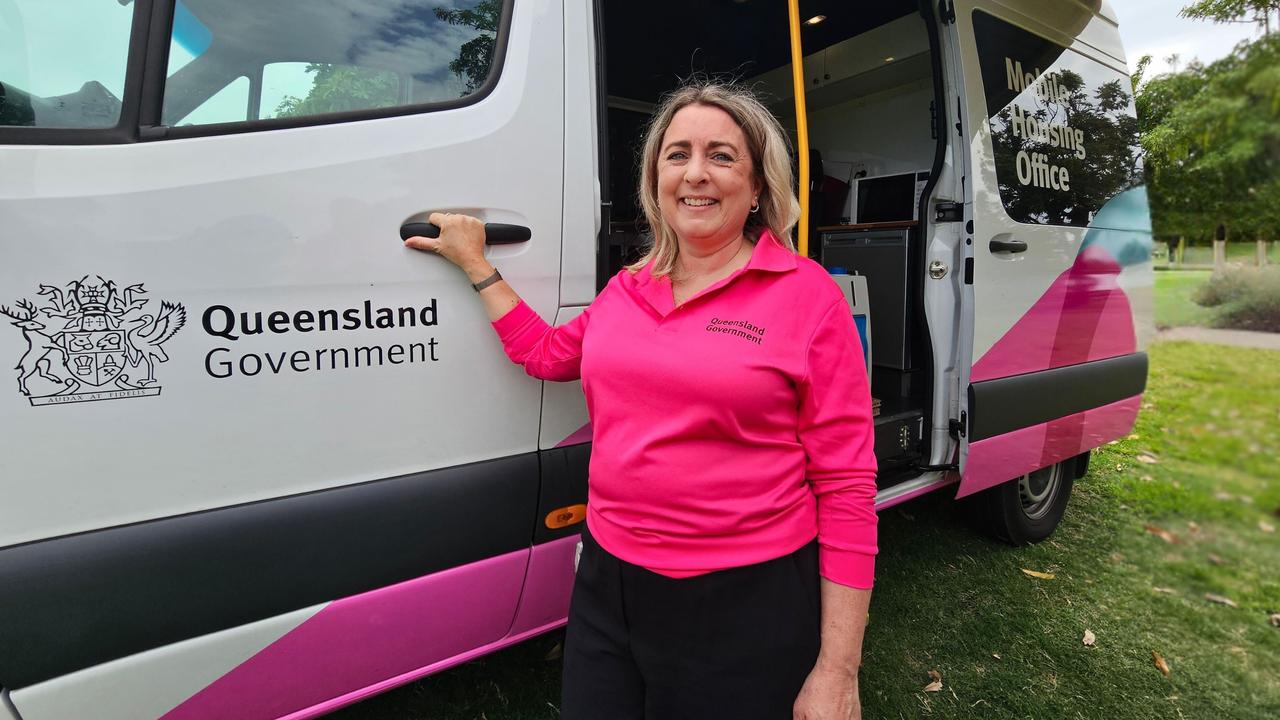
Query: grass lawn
1238,252
1174,307
1178,510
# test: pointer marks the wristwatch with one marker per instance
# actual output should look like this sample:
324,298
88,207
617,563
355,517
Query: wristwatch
495,277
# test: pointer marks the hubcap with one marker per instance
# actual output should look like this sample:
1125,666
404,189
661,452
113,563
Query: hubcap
1037,490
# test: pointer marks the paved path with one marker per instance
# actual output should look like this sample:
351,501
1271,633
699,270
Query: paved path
1238,338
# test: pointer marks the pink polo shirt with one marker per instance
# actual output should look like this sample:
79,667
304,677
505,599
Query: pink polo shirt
728,431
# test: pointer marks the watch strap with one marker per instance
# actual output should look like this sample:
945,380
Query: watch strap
495,277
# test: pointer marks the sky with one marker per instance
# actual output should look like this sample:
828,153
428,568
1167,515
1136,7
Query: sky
1152,27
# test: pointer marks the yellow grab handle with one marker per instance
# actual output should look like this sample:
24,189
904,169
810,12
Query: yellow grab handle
802,126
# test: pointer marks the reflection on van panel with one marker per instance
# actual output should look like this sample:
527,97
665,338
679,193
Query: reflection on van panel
237,534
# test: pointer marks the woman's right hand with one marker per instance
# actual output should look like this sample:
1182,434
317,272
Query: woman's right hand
461,242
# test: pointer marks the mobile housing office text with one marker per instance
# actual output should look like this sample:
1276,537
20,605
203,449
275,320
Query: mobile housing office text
259,461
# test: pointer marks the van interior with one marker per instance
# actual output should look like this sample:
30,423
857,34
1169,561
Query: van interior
873,147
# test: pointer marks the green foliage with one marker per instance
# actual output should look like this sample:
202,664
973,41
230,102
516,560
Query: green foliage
1248,299
1112,164
1222,287
1224,11
1173,304
1258,311
339,88
1211,134
475,57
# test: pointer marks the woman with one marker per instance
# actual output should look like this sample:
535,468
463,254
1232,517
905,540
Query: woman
732,462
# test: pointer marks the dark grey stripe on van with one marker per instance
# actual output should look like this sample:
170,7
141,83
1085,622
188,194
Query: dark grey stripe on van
1007,404
73,602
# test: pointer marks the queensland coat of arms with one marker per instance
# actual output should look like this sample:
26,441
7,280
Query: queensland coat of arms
88,340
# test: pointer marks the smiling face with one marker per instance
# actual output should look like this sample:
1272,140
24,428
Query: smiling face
706,180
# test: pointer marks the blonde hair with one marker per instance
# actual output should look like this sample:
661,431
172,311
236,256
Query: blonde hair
770,161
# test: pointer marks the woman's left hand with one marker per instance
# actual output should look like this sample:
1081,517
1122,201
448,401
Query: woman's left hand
829,693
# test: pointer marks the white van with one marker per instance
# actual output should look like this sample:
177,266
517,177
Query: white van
257,460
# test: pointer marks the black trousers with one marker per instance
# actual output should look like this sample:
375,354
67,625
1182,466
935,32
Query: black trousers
735,644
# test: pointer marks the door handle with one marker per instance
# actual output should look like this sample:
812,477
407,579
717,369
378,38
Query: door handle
494,233
1008,246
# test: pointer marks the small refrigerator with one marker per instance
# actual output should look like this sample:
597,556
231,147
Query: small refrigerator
883,256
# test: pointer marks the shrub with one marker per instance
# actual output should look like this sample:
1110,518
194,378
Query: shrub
1247,299
1224,286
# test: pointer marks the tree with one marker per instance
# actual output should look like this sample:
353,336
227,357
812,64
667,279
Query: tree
338,88
476,55
1211,134
1234,11
345,87
1110,165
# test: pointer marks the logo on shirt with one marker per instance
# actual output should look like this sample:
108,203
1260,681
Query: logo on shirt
737,328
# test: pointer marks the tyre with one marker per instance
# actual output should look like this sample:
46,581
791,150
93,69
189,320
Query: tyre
1026,510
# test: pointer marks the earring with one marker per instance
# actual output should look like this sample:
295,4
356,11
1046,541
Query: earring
755,205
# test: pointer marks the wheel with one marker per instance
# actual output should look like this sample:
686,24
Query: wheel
1026,510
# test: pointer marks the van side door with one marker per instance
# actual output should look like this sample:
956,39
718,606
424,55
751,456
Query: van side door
265,458
1058,275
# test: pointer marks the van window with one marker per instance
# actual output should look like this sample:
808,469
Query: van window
289,89
230,104
315,57
62,64
1063,126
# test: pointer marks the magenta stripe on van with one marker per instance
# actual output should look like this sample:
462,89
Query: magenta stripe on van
1083,316
1003,457
577,437
368,643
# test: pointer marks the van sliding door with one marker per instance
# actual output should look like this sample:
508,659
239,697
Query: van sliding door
270,460
1060,234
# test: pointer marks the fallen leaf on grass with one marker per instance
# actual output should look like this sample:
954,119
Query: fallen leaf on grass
1166,591
1135,437
1146,459
1089,638
997,655
1161,533
1041,575
1223,496
1220,600
1266,527
1193,527
1160,664
1275,619
1214,559
936,685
